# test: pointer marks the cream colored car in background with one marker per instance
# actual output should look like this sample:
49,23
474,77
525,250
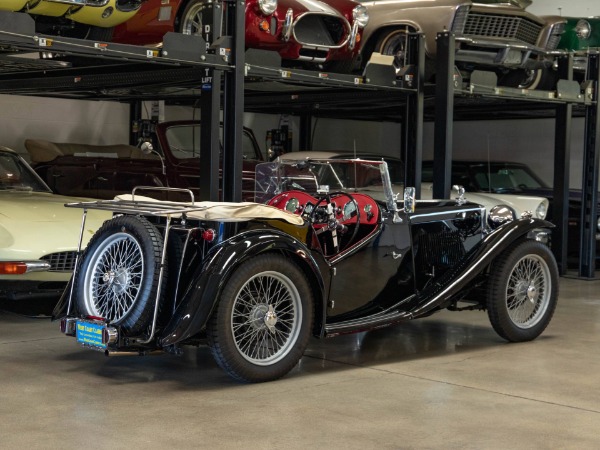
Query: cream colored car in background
38,234
520,204
90,19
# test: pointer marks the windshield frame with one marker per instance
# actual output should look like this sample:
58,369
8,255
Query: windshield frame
29,180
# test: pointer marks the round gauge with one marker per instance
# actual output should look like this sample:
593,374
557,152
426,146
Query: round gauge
292,205
349,209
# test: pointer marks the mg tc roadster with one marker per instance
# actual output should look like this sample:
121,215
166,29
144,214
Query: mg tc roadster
326,249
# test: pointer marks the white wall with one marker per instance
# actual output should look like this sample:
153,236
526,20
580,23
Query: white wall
572,8
61,121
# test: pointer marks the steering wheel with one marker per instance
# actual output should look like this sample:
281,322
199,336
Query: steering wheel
328,217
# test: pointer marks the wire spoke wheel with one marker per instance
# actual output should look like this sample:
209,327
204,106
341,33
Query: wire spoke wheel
117,270
263,319
266,318
118,276
522,291
528,292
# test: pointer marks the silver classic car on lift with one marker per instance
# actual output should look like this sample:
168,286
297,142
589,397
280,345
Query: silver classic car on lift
493,34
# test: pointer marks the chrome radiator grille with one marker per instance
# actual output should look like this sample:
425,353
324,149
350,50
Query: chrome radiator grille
443,249
60,262
504,27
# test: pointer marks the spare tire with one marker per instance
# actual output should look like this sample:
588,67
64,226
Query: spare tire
118,277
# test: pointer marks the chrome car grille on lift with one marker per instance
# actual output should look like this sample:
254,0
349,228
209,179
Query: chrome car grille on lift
503,27
60,262
321,30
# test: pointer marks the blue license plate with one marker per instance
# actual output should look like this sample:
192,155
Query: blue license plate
90,333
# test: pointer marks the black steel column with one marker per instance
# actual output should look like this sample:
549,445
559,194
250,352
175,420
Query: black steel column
210,112
210,146
444,115
305,132
589,207
412,124
562,160
233,98
135,115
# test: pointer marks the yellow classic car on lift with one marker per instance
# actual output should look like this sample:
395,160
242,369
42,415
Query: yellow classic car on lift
90,19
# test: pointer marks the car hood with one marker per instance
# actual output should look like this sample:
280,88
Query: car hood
302,6
34,224
520,203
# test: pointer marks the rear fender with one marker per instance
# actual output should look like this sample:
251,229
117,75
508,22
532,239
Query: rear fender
204,290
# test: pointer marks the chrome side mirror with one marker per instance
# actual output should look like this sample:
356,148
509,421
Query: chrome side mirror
409,199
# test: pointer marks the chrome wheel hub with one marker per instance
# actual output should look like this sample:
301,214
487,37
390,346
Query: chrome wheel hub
117,280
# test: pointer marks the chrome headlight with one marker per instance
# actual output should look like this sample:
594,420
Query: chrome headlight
267,7
542,210
360,15
583,29
598,224
500,214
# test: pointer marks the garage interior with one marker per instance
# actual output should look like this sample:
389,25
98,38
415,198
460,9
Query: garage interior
446,381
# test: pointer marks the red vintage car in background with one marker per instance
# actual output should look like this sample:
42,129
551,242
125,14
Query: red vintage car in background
309,31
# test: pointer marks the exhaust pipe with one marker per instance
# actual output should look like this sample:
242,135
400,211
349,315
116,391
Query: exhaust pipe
113,353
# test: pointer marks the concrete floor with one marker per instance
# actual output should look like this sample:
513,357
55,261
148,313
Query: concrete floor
446,381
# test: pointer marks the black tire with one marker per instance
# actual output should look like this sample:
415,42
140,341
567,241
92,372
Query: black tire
522,291
258,332
394,42
191,18
541,79
118,277
342,66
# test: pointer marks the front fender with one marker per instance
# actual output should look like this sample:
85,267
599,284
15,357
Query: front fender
455,281
203,292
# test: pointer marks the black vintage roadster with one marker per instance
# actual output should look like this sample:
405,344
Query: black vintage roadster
326,249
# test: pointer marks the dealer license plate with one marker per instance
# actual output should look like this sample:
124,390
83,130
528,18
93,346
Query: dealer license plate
90,333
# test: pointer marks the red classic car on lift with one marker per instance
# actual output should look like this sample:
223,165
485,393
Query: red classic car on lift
312,31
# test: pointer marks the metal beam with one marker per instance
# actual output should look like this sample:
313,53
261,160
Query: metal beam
444,115
412,124
589,195
233,98
562,160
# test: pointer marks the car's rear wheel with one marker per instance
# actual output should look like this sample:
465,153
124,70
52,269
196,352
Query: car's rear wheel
263,320
118,277
522,291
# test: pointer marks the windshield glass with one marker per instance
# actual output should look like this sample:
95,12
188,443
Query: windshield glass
504,177
317,177
16,175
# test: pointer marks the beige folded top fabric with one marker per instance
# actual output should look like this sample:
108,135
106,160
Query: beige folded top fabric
227,211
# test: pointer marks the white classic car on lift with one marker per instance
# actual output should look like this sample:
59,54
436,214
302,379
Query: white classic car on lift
520,204
38,235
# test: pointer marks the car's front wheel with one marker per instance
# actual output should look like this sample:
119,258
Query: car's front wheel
395,43
118,277
263,319
522,291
